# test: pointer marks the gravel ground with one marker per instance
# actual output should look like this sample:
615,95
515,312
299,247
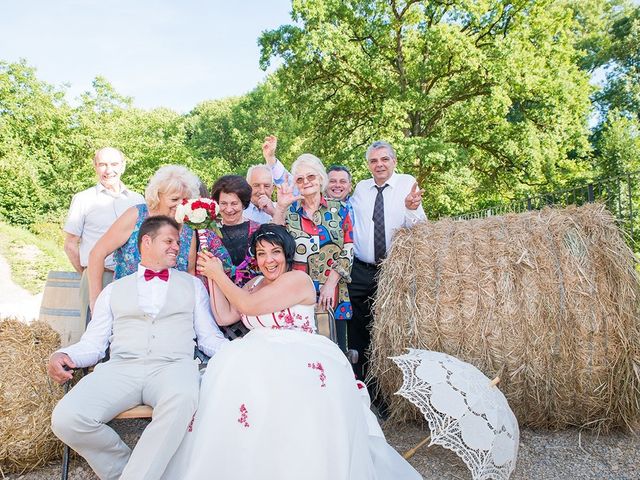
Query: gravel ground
543,455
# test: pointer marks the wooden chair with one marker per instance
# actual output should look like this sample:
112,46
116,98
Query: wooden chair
139,411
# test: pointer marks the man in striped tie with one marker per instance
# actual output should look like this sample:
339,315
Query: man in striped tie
381,205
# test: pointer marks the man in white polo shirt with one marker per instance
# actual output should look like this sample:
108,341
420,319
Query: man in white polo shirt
261,207
91,214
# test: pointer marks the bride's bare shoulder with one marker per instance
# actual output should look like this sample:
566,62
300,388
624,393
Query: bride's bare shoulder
297,275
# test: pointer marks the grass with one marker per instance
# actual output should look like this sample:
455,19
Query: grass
31,257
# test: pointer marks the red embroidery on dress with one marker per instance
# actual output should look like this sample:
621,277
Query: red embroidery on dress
306,327
244,415
292,321
190,427
318,366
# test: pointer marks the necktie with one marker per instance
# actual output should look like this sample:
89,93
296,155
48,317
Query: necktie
379,241
162,275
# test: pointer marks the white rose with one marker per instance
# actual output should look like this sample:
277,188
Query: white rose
199,215
180,212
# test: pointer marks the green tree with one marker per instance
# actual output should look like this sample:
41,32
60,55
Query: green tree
611,46
488,93
34,126
233,129
618,145
620,59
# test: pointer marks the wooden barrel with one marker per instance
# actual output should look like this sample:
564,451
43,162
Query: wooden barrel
60,306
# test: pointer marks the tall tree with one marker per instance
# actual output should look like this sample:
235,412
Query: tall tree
611,46
482,97
233,129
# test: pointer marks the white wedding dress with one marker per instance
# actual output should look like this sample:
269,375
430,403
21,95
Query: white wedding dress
281,403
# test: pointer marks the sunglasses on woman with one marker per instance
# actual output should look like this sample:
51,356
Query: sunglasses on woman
307,178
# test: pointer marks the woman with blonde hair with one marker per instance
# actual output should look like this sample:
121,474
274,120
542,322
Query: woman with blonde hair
167,188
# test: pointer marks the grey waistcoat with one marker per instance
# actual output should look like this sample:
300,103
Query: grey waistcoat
170,335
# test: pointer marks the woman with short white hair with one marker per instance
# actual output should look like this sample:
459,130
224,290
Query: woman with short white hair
324,238
168,187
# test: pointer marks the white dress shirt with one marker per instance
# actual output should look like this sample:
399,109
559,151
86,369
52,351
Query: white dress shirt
92,212
279,173
151,296
254,213
396,215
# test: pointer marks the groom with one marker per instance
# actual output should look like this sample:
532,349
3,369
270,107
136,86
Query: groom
149,320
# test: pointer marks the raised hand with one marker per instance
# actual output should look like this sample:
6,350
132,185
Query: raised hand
414,199
269,149
286,195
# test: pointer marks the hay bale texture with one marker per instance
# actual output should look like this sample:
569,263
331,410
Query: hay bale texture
27,395
547,300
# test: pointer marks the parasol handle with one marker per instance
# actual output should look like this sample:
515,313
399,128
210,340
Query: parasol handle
410,453
494,382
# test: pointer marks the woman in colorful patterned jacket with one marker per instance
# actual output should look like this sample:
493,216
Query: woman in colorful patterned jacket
323,233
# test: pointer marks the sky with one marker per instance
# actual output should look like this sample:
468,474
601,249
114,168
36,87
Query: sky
162,53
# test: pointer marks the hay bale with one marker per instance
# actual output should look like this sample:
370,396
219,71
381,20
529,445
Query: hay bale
549,301
27,395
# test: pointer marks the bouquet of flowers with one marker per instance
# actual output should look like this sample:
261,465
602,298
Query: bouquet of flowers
199,214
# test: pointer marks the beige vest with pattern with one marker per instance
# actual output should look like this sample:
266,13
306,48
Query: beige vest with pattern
168,336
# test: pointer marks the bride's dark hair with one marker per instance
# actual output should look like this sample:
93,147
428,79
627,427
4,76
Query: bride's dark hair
275,235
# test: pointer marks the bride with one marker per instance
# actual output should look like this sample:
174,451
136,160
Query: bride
280,403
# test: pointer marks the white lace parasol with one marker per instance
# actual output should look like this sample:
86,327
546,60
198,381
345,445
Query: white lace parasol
466,412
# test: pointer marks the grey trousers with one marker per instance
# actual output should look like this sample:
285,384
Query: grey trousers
80,418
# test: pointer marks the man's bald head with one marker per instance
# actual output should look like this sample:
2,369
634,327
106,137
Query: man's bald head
108,153
109,164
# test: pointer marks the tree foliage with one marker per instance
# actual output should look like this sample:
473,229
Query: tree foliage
611,43
234,128
490,88
485,100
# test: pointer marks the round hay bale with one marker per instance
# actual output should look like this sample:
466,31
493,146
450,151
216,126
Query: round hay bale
549,301
27,395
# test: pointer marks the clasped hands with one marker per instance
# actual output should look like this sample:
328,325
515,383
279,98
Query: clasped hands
326,295
208,264
265,204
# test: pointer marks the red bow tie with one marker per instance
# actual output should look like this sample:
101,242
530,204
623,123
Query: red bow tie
162,275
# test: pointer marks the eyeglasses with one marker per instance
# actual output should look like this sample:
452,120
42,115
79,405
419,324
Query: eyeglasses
307,178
